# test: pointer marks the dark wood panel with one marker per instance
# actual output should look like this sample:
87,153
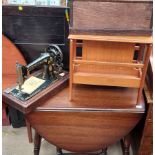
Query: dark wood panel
111,17
34,28
38,30
147,144
149,129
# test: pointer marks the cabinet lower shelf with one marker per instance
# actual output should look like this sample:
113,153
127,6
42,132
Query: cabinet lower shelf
106,79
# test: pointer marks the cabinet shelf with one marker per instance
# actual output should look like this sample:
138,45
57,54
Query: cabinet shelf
106,79
107,73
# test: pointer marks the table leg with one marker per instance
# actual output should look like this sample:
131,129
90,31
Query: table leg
59,151
37,143
29,131
104,152
126,141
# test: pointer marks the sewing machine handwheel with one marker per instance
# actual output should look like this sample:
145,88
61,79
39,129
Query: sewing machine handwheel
54,50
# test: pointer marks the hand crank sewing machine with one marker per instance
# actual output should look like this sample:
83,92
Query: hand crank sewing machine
51,63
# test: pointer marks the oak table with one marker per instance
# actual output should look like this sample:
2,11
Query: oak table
96,118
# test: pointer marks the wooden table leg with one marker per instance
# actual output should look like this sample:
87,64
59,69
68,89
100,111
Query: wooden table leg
29,131
126,142
37,143
104,152
59,151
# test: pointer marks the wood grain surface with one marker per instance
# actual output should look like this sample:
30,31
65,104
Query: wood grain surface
95,118
83,131
128,39
113,17
88,97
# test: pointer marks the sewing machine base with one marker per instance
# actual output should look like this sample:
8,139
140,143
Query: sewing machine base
25,96
40,97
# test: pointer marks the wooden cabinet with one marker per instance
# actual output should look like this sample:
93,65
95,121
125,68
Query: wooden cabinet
109,61
110,17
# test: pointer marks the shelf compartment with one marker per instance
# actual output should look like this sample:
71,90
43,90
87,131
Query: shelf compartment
138,65
106,79
107,73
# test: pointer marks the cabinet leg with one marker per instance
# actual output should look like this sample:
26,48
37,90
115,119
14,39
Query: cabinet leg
125,142
37,142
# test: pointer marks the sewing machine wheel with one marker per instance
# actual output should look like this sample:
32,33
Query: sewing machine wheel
55,51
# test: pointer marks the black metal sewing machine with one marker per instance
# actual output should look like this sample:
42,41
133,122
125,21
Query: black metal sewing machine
51,66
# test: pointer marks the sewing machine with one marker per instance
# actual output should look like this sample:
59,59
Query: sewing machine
51,70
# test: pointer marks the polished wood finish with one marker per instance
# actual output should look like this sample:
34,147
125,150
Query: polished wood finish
32,103
37,143
29,131
106,99
72,55
72,125
106,79
111,17
125,39
109,62
75,131
144,70
108,51
139,65
125,143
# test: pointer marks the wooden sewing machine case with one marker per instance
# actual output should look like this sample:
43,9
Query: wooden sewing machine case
30,104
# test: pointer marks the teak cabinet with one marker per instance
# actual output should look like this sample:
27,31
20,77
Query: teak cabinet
109,61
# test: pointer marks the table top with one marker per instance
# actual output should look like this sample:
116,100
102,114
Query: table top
94,98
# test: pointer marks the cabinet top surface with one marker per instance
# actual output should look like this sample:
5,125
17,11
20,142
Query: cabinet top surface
129,39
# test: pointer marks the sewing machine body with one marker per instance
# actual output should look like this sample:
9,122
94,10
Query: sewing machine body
50,64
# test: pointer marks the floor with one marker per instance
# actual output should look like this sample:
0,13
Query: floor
15,142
